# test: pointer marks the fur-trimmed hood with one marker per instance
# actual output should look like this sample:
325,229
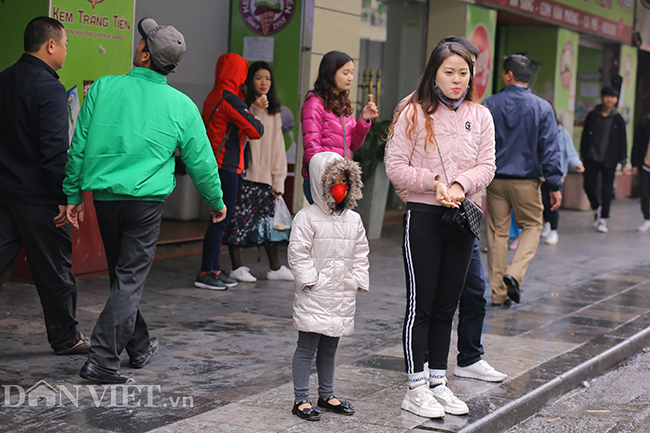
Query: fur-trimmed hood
323,170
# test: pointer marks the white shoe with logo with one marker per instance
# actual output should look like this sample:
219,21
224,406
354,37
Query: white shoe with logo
243,274
420,401
552,238
645,226
480,370
602,226
450,403
283,274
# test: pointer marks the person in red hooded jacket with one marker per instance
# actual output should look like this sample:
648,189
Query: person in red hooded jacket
228,120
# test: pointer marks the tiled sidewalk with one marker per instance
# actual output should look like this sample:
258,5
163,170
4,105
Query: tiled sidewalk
229,353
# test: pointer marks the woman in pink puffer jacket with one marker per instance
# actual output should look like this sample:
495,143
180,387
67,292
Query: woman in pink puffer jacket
325,110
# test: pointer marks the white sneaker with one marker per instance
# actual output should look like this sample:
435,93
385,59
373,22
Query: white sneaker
450,403
546,230
602,226
645,226
597,217
243,274
420,401
552,238
480,370
283,274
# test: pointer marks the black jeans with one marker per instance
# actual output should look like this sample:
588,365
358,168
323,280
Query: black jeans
592,170
214,234
644,181
436,261
49,254
130,231
551,216
471,312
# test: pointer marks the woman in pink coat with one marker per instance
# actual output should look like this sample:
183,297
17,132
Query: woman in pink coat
327,112
441,122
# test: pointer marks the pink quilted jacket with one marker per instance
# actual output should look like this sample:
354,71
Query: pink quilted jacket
466,139
322,131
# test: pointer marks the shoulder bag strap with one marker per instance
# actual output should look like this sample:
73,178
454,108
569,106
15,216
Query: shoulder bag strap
345,138
228,130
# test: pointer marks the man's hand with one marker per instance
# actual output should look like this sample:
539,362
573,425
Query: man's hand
75,214
580,168
61,219
218,215
556,199
625,170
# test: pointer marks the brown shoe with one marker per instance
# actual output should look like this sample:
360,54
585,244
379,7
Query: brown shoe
80,348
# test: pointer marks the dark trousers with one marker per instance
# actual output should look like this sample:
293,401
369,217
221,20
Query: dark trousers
471,312
49,253
436,260
644,181
129,230
592,170
214,234
551,216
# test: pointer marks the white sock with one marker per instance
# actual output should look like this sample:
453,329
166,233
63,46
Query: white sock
437,377
603,221
416,379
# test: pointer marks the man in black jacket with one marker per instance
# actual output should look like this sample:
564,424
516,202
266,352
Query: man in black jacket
33,153
603,145
641,166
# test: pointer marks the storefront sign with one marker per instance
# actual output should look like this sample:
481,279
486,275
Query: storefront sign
610,19
267,17
481,28
566,71
626,100
100,39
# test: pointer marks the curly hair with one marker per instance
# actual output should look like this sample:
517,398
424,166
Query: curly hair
325,84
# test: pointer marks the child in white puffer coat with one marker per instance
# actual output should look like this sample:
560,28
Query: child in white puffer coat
328,255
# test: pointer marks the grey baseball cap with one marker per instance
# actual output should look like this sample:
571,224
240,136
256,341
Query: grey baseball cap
166,44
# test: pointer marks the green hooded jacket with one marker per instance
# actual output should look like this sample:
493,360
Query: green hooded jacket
127,132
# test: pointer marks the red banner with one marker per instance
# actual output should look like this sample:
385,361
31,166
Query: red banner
568,16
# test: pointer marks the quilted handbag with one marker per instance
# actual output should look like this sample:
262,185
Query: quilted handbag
465,219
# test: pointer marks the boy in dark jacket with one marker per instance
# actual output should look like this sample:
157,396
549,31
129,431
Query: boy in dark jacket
641,164
603,145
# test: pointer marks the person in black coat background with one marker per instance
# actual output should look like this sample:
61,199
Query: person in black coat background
641,166
602,147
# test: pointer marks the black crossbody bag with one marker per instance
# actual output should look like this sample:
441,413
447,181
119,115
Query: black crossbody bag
465,219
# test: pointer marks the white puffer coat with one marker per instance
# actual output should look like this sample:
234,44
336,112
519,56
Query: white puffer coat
328,252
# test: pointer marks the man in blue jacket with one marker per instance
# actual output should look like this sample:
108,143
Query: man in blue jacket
33,153
526,150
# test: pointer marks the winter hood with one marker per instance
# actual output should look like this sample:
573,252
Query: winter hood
324,167
230,73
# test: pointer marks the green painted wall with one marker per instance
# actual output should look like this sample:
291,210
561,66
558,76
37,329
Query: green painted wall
534,42
14,16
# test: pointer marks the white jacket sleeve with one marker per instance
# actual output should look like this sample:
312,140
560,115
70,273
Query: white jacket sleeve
299,252
361,264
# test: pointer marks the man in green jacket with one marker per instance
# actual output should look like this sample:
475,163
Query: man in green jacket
123,151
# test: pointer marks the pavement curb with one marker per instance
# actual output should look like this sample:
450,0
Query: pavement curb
518,410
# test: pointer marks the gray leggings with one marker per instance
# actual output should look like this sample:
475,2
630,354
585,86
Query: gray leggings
308,343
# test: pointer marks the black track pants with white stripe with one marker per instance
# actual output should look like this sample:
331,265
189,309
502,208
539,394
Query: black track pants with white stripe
436,260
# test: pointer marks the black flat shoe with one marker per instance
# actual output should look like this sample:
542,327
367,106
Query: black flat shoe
307,413
141,360
514,292
80,348
505,303
96,373
344,408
